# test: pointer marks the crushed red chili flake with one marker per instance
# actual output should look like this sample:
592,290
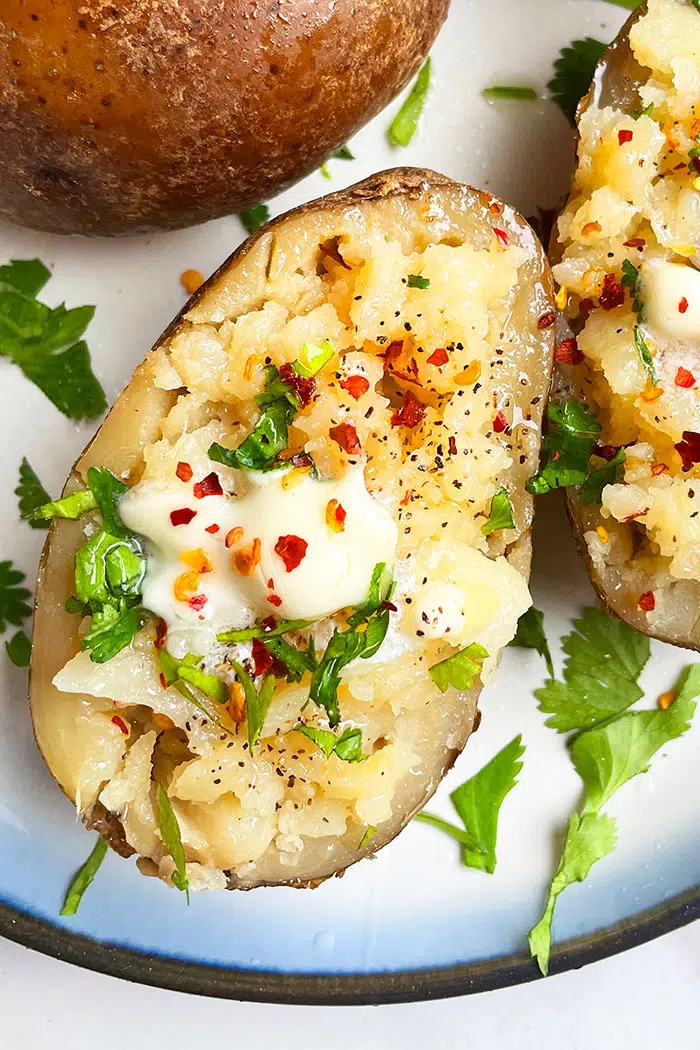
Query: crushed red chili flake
682,305
233,536
438,357
452,445
546,320
212,529
624,135
184,471
269,623
161,679
500,422
345,435
161,631
197,602
411,412
292,551
612,293
659,468
389,605
392,352
585,305
646,601
605,451
182,516
356,386
120,724
684,378
302,386
501,236
568,353
271,584
635,242
245,560
335,515
406,499
637,514
209,486
262,658
689,449
274,599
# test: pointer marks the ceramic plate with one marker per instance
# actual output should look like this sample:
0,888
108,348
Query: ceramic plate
413,923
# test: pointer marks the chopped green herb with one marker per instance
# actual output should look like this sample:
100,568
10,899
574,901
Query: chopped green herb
325,171
380,588
31,495
573,73
629,5
74,605
591,491
501,516
404,124
630,280
312,358
83,877
478,803
25,275
257,703
297,661
172,840
514,93
370,832
111,630
344,153
108,490
72,506
66,379
647,111
19,649
567,447
255,217
414,280
347,746
13,599
460,669
645,355
604,659
278,406
246,634
530,635
463,837
208,684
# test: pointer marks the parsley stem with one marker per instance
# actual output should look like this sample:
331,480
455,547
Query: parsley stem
444,825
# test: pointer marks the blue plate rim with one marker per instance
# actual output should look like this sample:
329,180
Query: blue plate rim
365,989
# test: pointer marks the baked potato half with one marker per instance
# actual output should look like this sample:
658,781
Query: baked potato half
626,250
138,115
354,398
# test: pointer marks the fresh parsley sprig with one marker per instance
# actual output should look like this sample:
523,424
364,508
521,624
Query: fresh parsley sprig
278,406
30,495
567,447
501,514
347,746
573,73
460,669
530,635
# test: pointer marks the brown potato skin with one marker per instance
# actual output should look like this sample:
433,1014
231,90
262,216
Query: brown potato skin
137,114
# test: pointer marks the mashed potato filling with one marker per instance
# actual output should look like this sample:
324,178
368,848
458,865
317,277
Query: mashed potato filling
630,237
396,448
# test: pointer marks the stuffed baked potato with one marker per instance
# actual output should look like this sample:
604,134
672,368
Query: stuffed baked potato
627,246
301,538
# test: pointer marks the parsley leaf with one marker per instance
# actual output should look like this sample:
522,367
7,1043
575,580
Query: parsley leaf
591,491
573,73
246,634
404,124
313,358
369,833
414,280
630,280
297,661
31,495
172,840
645,355
13,599
530,635
67,380
257,703
278,406
72,506
512,92
501,516
347,746
255,217
108,490
25,275
111,630
604,659
568,446
83,877
19,649
344,153
460,669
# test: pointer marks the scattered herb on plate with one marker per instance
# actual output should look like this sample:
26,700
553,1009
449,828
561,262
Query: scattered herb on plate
530,635
30,494
404,124
83,877
573,73
512,92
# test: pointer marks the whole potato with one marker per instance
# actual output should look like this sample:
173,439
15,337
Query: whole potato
133,114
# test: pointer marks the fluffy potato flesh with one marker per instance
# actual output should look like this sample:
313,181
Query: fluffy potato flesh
634,210
342,269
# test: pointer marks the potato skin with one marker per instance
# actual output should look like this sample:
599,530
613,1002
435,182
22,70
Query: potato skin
162,113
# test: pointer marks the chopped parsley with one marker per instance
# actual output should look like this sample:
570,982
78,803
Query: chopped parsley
45,343
567,446
645,355
72,506
255,217
501,516
344,153
591,491
313,358
630,280
573,73
369,833
460,669
414,280
347,746
257,702
13,598
278,406
530,635
478,803
83,877
30,494
172,840
404,124
246,634
513,92
19,649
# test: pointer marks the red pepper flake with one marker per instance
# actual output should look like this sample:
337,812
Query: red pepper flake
161,679
452,445
689,449
500,422
345,435
269,623
262,658
233,536
209,486
624,136
183,516
406,499
184,471
292,551
585,306
274,599
212,529
271,584
612,293
682,305
245,560
356,386
605,451
684,378
568,353
335,515
161,631
120,724
646,601
439,357
389,605
659,468
546,320
637,514
501,237
393,351
197,602
411,412
304,387
635,242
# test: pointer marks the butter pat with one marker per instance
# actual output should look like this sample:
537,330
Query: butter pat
671,297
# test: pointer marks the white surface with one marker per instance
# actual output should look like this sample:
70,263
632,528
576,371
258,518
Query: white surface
645,999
